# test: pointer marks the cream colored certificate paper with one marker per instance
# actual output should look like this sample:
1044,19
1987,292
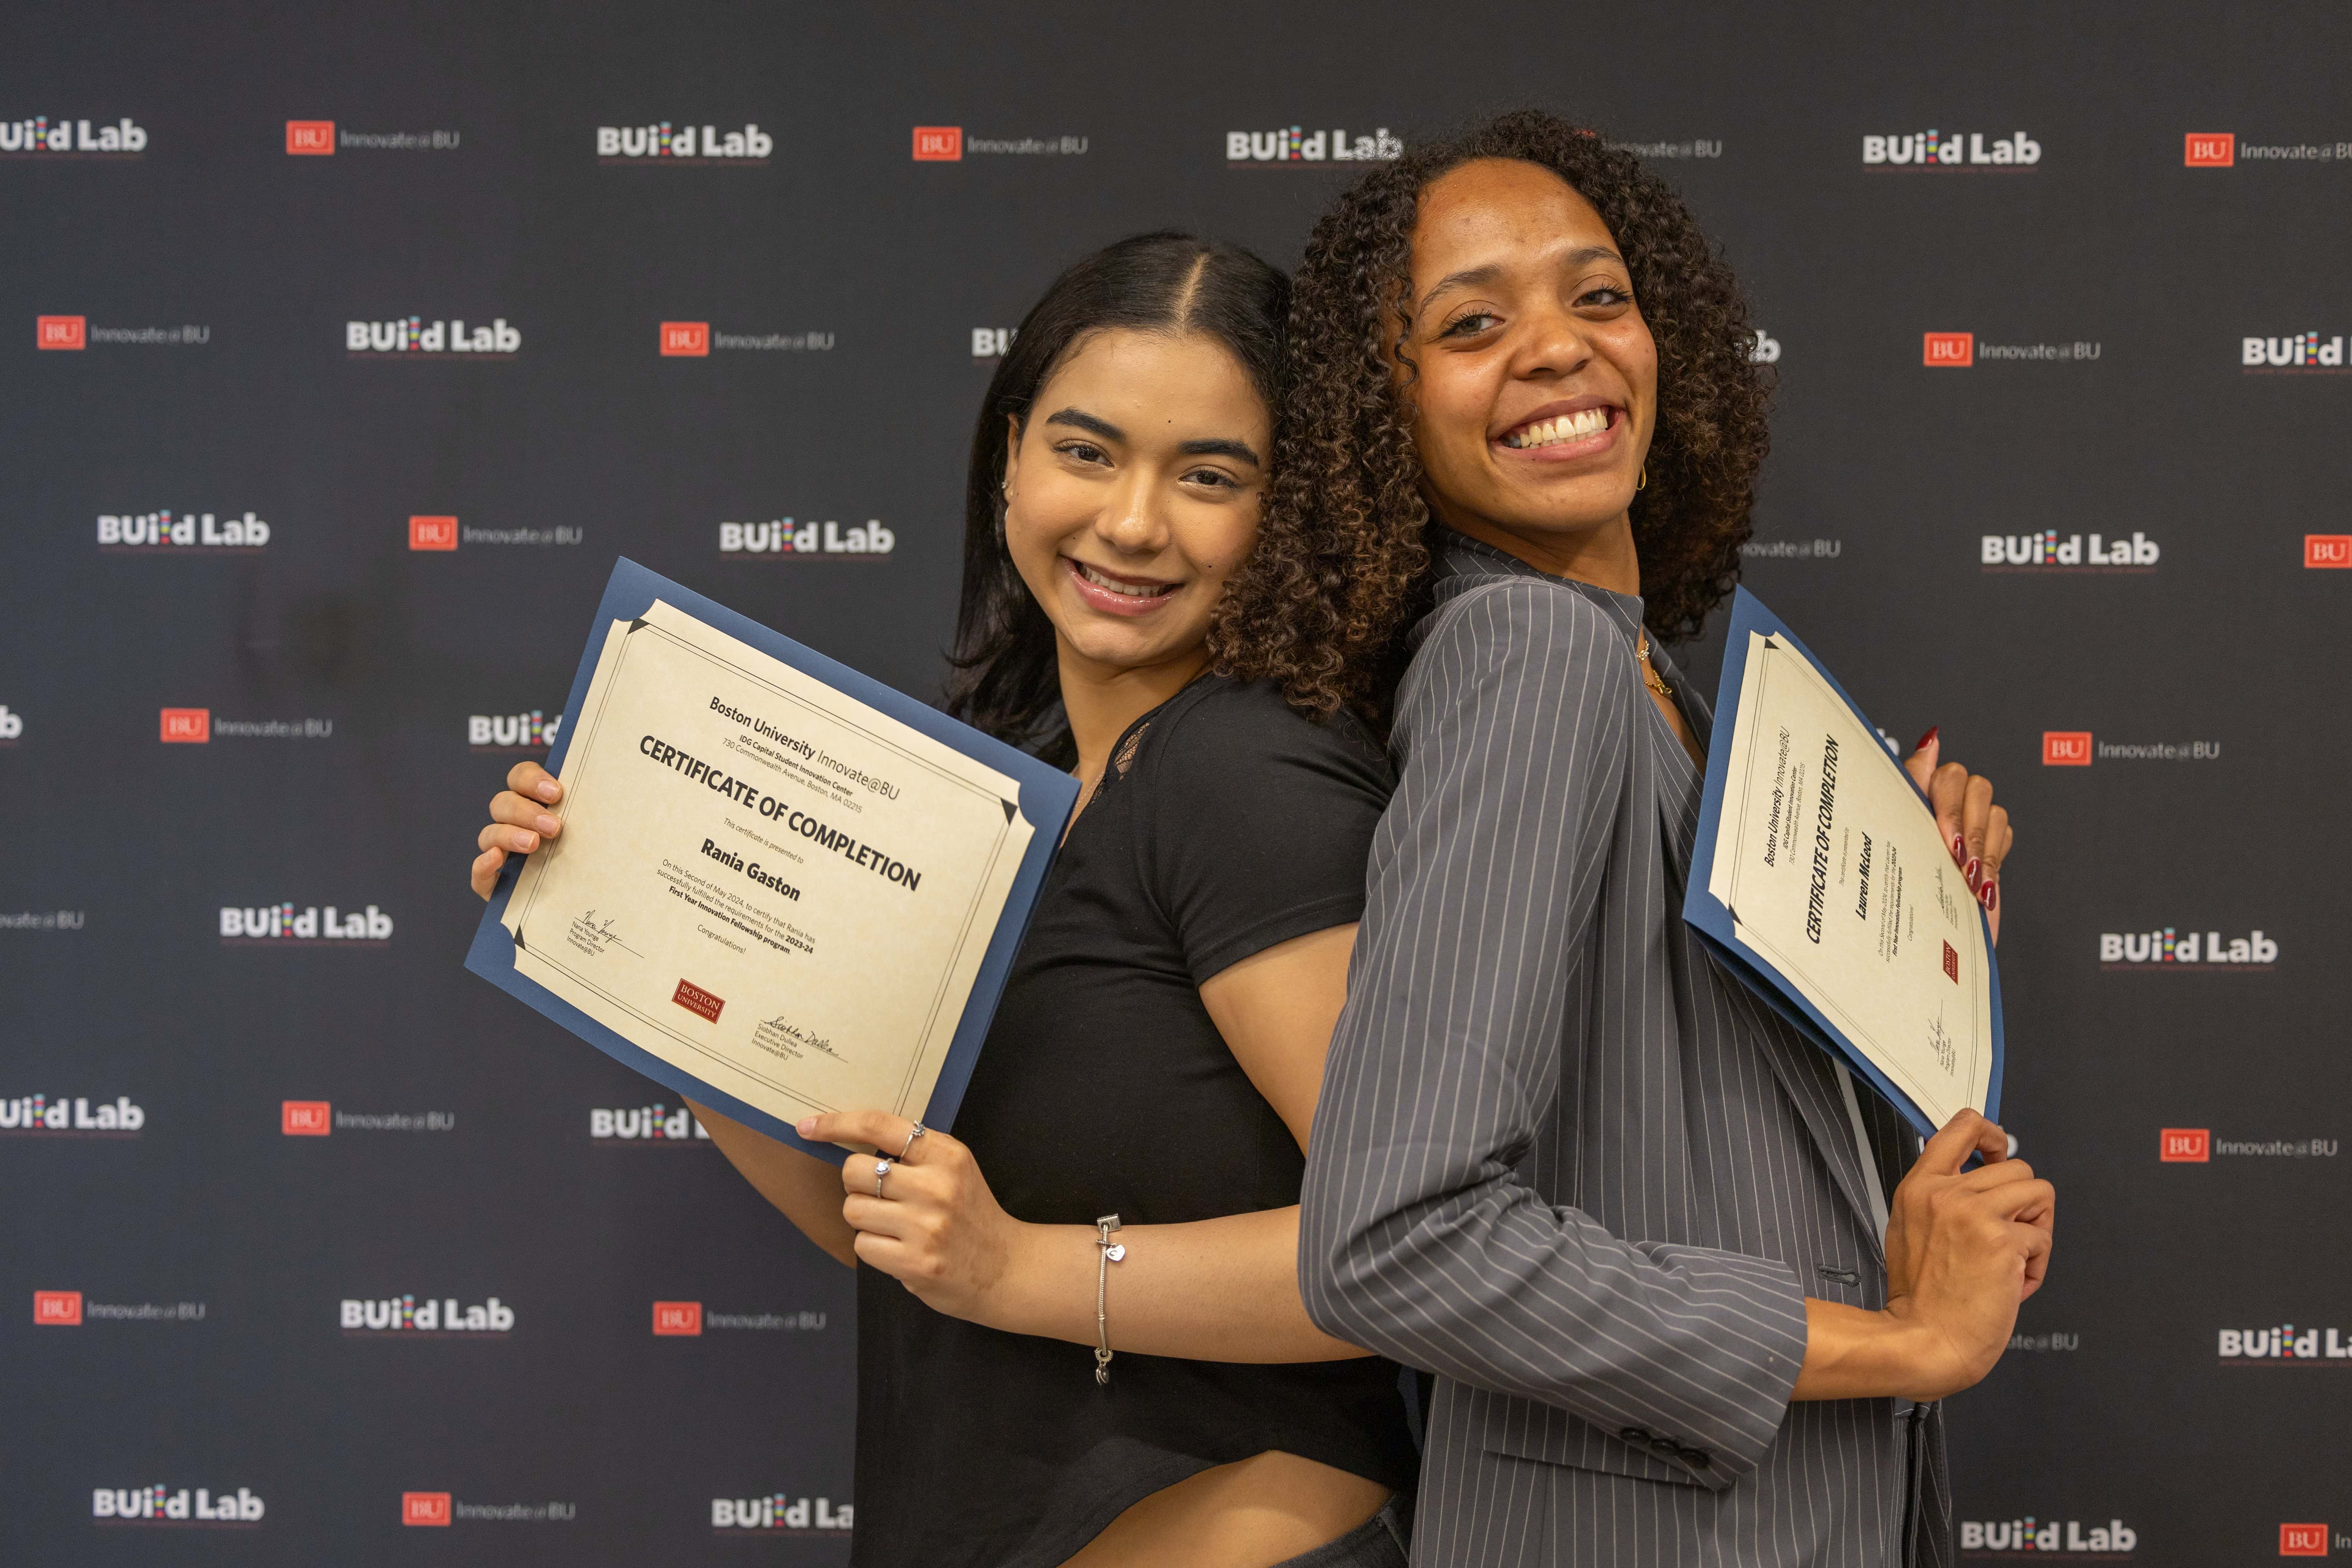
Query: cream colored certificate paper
1834,873
765,883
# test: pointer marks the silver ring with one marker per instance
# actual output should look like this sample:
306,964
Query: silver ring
881,1172
917,1132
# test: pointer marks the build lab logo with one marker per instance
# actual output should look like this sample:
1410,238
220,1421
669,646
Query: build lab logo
12,727
695,339
2302,353
74,333
654,1123
784,539
167,533
780,1513
1764,350
2077,749
414,337
2057,1538
1962,351
2198,1146
279,925
2051,552
1950,150
1295,144
2283,1343
42,137
37,1115
443,1316
532,731
948,144
2168,948
992,343
167,1505
663,142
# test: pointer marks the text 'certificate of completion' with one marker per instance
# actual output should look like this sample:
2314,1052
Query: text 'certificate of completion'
1821,871
771,886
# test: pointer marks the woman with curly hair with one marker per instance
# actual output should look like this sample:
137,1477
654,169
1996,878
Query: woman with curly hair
1634,1223
1156,1053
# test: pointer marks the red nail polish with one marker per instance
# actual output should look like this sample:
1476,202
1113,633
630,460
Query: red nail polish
1959,849
1970,872
1989,896
1925,738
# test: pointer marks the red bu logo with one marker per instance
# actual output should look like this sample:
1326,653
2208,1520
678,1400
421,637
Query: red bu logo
305,1119
57,1309
2212,150
310,138
60,332
2065,748
2327,550
939,143
1951,964
686,338
1953,350
2302,1540
424,1508
432,534
695,1000
187,726
678,1317
2185,1146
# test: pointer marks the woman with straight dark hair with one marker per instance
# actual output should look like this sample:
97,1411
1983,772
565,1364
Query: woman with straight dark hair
1033,1388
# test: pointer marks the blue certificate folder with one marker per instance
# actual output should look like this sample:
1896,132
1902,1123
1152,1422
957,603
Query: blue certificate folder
1712,919
1047,795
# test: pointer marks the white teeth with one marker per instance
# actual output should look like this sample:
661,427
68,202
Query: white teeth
1562,427
1132,590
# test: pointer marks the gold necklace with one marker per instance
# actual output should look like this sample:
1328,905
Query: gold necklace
1649,674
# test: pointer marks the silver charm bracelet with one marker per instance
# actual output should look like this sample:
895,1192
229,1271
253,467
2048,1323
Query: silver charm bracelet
1108,1252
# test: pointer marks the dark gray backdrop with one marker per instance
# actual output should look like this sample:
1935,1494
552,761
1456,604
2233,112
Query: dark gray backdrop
340,671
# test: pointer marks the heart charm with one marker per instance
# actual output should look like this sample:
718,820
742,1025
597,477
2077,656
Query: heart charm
1116,1251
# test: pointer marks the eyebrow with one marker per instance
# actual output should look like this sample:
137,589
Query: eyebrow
1473,276
1209,447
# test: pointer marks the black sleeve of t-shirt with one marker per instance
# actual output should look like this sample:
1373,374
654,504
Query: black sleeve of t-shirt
1257,823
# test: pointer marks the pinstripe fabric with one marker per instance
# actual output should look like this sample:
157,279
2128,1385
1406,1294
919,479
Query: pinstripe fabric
1568,1163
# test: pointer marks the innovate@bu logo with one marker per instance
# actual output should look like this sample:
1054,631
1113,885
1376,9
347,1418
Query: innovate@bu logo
187,726
2009,1537
687,339
663,142
61,331
306,1118
424,1508
1296,145
57,1309
2185,1145
939,143
2065,748
1947,150
1952,350
677,1318
310,138
2302,1540
2212,150
162,1505
432,534
2326,551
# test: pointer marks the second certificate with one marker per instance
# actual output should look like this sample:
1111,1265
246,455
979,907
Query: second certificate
764,882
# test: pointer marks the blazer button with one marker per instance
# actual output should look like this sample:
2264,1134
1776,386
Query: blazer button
1634,1434
1698,1459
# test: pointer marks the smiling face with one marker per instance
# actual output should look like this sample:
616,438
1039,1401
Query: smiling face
1132,495
1536,389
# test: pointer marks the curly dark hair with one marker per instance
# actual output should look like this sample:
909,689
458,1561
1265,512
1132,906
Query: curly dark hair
1343,565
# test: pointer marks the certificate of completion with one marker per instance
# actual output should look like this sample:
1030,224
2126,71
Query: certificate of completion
777,893
1821,872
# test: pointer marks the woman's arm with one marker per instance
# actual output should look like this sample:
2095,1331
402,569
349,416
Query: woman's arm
805,1188
1218,1289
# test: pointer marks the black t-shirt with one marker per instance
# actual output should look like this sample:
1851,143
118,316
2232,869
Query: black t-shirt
1227,823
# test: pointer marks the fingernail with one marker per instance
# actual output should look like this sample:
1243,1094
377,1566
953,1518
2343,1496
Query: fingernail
1927,737
1971,871
548,790
1989,896
806,1127
1959,849
529,842
547,824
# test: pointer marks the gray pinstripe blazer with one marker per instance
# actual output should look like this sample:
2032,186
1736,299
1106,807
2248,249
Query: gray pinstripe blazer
1571,1165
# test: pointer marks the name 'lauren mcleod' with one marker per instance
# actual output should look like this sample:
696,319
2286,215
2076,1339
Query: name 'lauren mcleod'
743,791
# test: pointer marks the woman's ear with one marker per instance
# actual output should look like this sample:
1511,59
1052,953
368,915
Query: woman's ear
1011,453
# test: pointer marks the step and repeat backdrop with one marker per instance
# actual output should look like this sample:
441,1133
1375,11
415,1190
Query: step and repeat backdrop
346,347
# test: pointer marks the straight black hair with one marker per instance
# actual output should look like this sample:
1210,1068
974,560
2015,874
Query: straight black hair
1004,680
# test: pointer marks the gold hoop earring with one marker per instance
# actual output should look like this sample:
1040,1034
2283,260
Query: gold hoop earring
1644,482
